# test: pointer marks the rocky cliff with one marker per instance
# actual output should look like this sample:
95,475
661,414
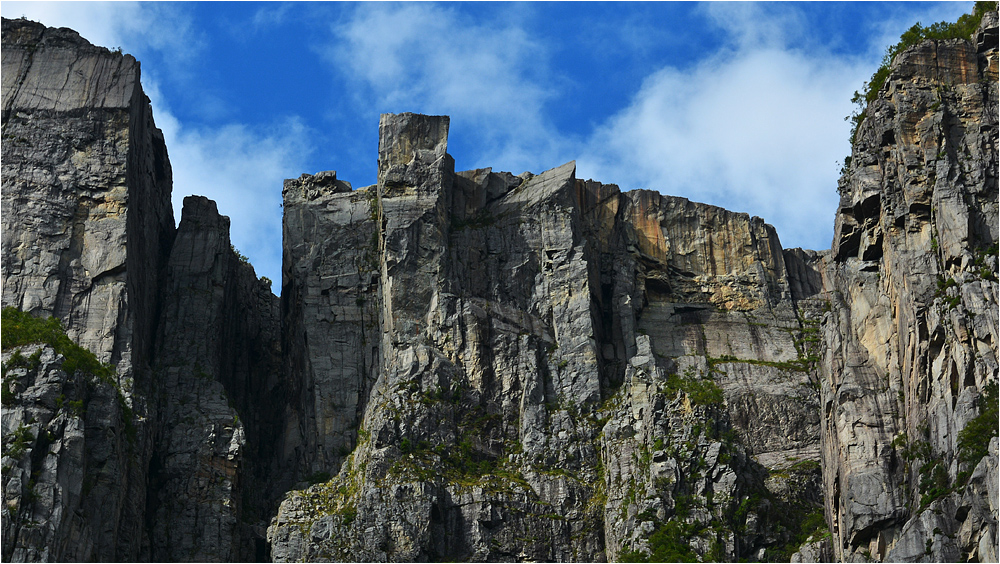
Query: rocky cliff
911,343
473,365
142,453
536,367
87,225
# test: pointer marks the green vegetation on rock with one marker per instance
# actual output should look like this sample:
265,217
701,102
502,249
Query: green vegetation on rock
974,439
699,391
239,256
21,328
667,543
20,439
961,29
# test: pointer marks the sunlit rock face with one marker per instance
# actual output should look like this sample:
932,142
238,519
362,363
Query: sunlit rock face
548,368
150,460
911,343
477,365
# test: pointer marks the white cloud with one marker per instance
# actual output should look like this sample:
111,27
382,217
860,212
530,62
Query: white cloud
242,169
754,26
270,16
760,132
758,127
132,26
489,77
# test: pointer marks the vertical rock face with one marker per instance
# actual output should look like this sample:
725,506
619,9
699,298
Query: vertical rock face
329,318
481,366
712,443
168,454
911,343
69,457
565,372
217,371
87,223
87,216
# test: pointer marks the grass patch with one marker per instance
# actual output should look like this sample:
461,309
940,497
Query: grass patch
805,466
667,543
802,364
699,391
808,526
21,328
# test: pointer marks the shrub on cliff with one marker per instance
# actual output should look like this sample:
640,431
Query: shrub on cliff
961,29
974,439
19,328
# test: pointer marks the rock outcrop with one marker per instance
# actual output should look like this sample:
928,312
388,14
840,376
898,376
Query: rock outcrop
911,343
70,456
480,366
87,225
167,455
218,381
562,369
329,318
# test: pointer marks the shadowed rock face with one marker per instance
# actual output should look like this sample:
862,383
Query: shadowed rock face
87,225
481,366
330,319
218,376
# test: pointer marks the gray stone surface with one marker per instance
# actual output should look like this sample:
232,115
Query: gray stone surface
330,320
86,224
509,420
481,366
67,462
911,339
87,232
219,391
87,190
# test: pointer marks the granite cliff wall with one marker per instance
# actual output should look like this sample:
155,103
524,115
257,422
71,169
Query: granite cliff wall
481,366
561,369
160,456
87,226
218,381
911,343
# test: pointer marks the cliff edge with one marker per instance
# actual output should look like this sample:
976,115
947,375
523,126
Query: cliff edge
477,365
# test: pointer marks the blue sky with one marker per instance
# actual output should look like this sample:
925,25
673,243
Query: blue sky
737,105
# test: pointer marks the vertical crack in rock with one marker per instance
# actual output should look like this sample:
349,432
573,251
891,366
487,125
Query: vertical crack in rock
911,341
475,365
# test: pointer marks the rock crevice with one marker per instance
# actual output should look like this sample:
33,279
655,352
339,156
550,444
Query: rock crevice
477,365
